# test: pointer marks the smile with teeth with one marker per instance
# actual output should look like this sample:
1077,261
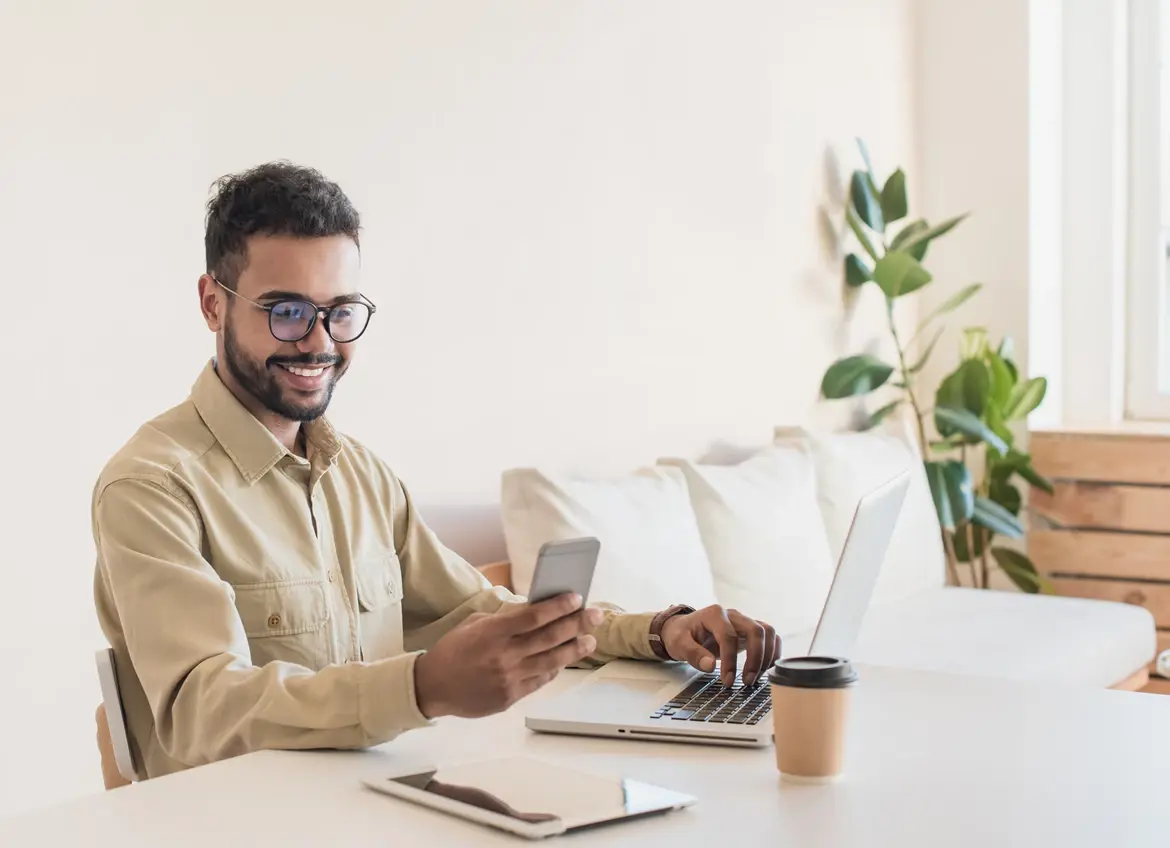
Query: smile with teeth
303,372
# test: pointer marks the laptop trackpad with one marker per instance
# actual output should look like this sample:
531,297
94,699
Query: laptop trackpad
619,694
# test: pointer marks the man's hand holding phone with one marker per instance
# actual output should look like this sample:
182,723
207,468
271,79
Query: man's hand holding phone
490,662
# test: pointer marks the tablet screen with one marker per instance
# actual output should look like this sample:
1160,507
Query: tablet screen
536,791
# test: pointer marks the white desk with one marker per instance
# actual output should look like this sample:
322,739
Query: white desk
935,760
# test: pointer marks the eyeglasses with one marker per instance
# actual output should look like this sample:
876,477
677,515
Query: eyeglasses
290,320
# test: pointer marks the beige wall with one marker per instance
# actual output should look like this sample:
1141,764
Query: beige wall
972,128
592,230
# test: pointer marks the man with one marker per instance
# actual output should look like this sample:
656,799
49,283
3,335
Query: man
266,582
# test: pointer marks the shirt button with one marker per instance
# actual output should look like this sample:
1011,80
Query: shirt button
274,621
331,576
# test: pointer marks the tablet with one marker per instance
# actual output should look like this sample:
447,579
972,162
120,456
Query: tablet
529,797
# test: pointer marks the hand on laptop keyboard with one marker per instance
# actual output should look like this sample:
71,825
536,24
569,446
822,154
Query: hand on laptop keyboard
715,636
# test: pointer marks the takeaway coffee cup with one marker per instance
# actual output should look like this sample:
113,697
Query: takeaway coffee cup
810,707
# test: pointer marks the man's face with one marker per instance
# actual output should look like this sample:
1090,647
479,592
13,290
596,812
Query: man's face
322,271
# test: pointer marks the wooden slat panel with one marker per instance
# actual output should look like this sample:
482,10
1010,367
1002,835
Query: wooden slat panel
1099,554
1117,457
1158,685
1106,507
498,574
1153,596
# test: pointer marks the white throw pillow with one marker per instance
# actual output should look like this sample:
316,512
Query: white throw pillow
762,528
651,554
848,465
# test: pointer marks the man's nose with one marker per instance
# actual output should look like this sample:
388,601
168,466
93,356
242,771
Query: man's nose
318,340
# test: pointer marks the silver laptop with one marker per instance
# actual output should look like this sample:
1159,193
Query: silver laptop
673,701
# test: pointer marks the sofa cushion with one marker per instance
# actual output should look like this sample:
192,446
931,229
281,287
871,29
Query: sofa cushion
762,529
1005,634
848,466
651,553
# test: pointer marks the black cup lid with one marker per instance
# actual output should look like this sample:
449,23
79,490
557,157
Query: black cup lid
813,672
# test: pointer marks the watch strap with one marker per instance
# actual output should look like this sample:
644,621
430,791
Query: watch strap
656,625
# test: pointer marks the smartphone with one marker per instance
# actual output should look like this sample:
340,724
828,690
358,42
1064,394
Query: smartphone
563,567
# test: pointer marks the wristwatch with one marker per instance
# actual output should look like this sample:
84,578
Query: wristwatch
656,629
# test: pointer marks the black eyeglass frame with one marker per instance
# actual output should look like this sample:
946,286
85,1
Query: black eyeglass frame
313,308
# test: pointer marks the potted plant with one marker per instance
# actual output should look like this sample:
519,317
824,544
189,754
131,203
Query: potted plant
973,465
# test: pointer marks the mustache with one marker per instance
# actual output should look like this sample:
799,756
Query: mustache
307,361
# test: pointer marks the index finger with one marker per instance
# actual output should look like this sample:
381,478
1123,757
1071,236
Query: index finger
528,617
719,626
753,631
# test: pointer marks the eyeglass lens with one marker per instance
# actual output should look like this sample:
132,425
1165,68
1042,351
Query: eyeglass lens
291,320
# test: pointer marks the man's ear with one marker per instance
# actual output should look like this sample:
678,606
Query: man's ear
211,303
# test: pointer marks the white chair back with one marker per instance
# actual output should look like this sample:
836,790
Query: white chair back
115,715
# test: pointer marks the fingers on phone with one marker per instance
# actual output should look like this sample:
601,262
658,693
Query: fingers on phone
525,619
557,632
560,657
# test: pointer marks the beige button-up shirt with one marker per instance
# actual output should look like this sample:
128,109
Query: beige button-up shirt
255,599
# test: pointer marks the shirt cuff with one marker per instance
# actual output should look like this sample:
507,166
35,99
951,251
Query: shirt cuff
624,635
387,701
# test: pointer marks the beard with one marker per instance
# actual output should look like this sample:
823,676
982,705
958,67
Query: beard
259,381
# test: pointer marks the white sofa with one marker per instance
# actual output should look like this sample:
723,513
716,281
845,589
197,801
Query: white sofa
763,534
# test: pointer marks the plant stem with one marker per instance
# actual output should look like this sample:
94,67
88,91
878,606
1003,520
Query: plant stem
949,547
907,379
919,420
986,567
971,552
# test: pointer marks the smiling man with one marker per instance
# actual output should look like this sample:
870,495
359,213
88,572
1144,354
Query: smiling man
266,582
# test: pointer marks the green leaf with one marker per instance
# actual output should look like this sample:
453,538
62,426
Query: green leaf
1022,571
950,486
1002,380
994,420
861,145
907,231
1007,496
1024,398
989,514
856,271
859,231
918,251
950,304
865,201
947,445
854,375
869,172
921,363
973,344
931,233
899,273
881,415
980,535
1007,349
894,206
967,387
948,421
1023,466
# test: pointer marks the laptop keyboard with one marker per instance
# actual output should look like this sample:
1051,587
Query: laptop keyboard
705,699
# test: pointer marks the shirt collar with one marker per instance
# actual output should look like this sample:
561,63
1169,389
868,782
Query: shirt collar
250,444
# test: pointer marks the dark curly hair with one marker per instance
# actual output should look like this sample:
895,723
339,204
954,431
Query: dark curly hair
277,198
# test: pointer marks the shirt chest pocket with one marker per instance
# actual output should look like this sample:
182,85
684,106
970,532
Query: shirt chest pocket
286,620
379,591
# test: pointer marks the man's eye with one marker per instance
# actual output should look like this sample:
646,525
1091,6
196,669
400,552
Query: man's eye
289,311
